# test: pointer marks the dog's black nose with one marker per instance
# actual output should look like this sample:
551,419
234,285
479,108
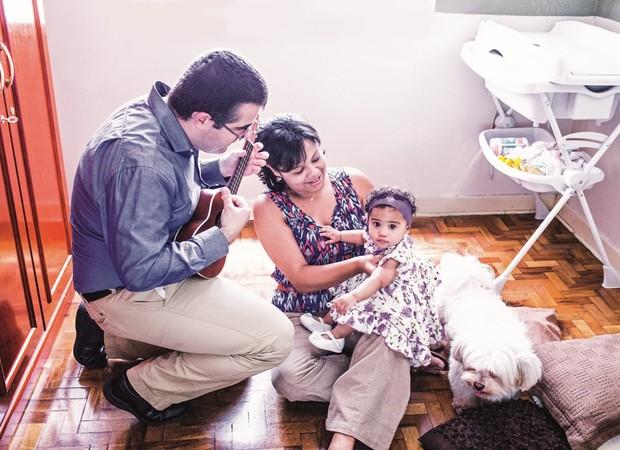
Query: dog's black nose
478,386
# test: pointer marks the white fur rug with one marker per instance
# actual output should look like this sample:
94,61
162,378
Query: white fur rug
247,263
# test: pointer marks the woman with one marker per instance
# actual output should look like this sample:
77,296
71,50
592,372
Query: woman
369,392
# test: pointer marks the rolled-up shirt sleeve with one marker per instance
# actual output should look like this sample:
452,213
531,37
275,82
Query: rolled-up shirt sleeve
135,212
211,175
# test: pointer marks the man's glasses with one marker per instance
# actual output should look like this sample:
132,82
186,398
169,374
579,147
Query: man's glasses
238,136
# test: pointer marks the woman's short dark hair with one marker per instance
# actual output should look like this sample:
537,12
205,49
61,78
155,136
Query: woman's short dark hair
283,137
217,83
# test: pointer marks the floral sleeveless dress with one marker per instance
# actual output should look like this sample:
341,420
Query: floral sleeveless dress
404,312
348,214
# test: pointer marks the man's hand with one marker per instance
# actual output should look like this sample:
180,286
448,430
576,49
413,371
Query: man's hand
234,216
229,160
331,234
343,303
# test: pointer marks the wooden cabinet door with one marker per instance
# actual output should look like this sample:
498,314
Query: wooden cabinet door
35,264
21,287
17,322
39,150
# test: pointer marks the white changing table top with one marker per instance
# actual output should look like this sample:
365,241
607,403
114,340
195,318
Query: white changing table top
566,58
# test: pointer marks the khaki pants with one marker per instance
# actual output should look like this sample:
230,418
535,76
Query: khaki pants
368,395
205,335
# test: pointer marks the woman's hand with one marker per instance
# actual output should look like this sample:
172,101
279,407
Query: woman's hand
331,234
343,303
368,263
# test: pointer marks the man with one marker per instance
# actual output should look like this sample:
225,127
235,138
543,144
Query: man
137,182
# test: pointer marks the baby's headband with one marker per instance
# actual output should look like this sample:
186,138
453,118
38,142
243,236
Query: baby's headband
402,205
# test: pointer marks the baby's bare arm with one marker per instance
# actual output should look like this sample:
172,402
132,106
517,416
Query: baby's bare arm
350,236
379,278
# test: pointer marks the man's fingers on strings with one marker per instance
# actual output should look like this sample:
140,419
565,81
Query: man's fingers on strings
226,197
238,201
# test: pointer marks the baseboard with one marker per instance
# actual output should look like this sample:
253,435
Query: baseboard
474,205
578,225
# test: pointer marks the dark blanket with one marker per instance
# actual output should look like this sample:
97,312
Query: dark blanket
517,424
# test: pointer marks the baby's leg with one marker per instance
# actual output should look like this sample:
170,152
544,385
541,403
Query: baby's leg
316,323
341,331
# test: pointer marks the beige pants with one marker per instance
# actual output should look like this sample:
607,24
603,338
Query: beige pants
205,335
368,395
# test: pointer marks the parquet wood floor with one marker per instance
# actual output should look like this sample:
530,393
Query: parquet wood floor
65,407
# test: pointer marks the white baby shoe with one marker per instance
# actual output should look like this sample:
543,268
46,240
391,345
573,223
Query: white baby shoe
331,345
313,323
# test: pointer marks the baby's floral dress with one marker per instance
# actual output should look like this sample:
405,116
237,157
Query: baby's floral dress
404,312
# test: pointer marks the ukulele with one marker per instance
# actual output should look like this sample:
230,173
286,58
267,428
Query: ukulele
209,210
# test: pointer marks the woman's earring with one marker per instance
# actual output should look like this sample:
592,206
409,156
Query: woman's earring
278,179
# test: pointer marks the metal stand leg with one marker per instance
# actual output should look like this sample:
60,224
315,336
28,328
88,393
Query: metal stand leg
611,277
577,179
541,209
501,280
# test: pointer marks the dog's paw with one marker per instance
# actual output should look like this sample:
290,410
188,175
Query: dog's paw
460,404
459,408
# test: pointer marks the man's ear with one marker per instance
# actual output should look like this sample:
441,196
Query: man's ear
202,119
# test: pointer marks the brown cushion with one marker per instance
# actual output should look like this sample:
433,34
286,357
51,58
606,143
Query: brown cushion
580,387
517,424
542,324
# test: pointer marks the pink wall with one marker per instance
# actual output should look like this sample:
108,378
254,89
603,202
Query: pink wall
382,81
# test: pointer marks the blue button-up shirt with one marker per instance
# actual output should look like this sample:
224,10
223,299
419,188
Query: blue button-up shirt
137,182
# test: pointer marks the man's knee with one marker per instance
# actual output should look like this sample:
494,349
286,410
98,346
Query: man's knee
283,344
282,339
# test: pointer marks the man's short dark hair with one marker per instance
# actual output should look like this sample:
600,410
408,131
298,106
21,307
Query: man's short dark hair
217,83
283,137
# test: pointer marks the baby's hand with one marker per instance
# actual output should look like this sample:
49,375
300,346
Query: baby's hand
343,303
331,234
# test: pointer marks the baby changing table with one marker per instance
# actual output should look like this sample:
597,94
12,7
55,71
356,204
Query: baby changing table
569,72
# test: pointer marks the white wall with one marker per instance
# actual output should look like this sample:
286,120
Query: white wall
382,81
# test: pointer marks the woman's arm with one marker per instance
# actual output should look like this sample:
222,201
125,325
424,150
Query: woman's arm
380,278
281,246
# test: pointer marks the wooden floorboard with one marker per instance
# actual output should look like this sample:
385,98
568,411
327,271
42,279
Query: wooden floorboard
66,407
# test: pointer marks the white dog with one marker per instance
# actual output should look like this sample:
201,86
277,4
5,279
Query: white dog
491,357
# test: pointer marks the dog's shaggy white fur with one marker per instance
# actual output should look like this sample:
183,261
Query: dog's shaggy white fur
491,357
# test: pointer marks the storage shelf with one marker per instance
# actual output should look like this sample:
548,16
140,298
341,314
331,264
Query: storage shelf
530,181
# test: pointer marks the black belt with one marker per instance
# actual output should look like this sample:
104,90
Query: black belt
96,295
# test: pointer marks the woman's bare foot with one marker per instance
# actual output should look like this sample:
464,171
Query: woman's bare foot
342,442
436,363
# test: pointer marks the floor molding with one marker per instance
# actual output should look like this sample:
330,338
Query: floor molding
474,205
